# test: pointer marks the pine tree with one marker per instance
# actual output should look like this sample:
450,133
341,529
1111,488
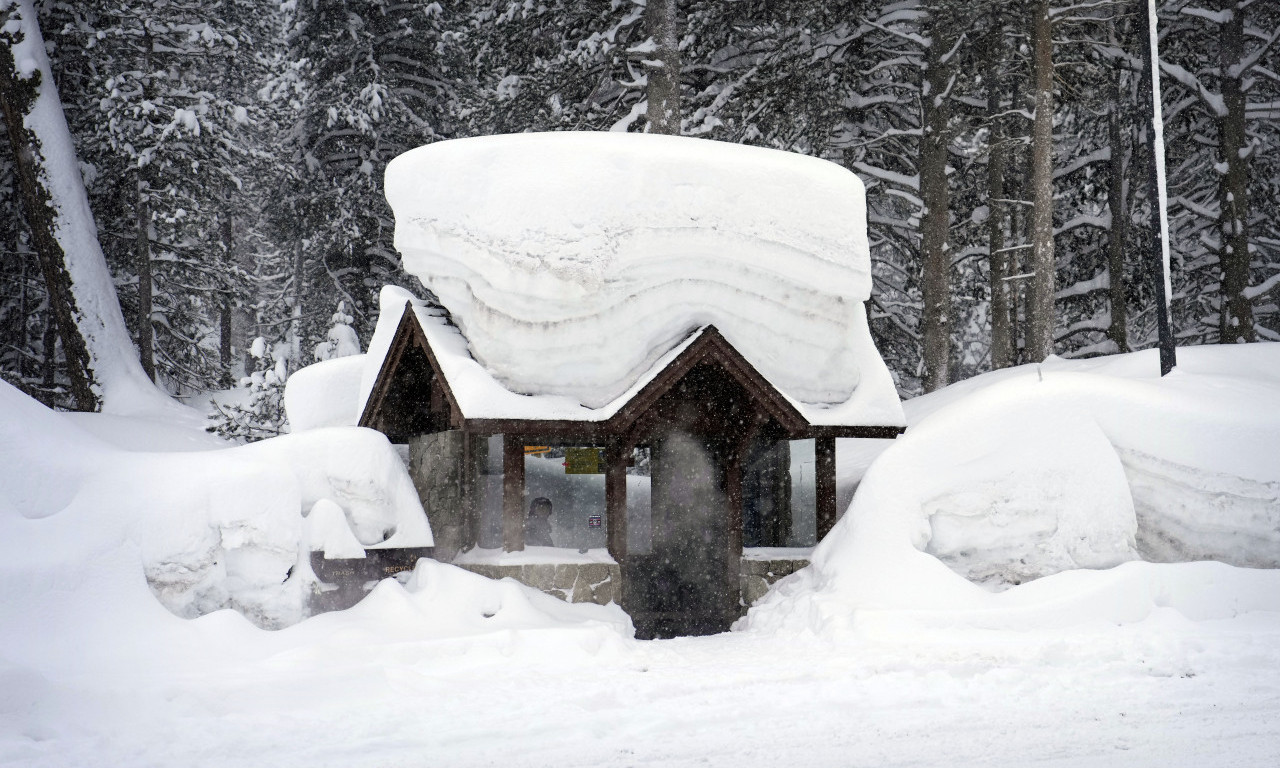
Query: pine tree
100,363
260,413
341,340
166,108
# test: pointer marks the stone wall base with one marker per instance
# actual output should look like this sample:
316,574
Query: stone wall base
599,583
347,581
758,575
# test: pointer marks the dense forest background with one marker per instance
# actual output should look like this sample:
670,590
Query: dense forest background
233,152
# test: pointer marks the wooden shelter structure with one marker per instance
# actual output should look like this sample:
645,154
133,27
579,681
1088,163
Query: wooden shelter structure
702,412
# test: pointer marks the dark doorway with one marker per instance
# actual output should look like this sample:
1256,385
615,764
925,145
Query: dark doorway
688,584
681,587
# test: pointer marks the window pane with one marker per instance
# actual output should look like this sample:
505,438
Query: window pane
804,521
578,518
639,504
490,487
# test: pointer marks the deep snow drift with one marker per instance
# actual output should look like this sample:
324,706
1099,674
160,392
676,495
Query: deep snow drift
1044,469
210,529
548,249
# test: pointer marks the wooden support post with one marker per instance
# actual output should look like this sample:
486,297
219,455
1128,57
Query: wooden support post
512,493
469,481
733,495
615,500
824,449
739,449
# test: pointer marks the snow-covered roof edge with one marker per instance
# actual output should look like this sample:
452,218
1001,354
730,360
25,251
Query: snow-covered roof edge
480,396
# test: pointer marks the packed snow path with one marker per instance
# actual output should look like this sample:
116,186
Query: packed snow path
1155,694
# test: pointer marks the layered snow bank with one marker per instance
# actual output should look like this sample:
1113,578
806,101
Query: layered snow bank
1008,510
208,529
573,261
1039,472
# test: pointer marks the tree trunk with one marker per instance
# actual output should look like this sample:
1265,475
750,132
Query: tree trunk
50,350
663,89
1117,330
1040,307
20,321
1001,325
224,309
142,252
101,362
295,323
1017,183
1237,311
935,279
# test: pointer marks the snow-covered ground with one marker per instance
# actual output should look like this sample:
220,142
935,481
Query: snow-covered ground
881,654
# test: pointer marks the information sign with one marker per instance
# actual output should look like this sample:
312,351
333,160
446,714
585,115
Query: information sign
583,461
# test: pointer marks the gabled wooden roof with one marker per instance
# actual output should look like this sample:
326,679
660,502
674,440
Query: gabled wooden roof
379,414
711,346
395,405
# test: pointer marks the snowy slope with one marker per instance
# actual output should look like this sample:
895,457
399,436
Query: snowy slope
573,261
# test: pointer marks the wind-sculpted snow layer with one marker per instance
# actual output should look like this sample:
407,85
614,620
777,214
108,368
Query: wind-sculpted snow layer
1188,513
209,529
573,261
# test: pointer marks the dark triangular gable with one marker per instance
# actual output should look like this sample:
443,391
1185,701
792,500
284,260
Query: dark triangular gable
411,394
712,347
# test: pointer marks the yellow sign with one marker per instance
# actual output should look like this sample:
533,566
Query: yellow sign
530,450
583,461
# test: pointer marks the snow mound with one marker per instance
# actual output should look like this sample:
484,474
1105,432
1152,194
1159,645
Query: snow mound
460,603
1004,511
1187,513
805,604
325,394
1041,473
1008,485
328,532
208,529
550,249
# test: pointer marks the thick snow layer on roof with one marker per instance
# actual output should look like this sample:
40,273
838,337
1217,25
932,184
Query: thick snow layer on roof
572,262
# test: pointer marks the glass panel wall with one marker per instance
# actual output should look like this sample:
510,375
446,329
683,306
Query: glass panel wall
574,485
804,520
639,504
490,489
